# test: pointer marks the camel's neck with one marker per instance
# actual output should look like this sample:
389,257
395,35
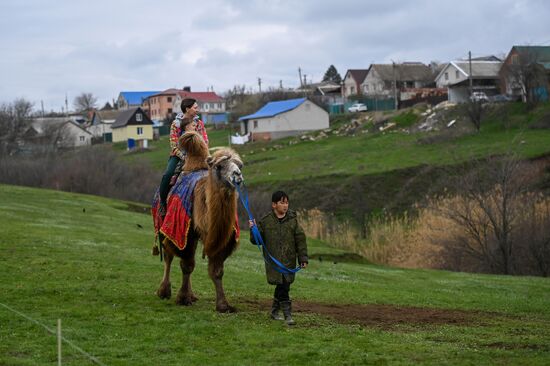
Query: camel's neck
223,201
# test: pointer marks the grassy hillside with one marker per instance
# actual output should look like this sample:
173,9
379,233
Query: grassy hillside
364,171
368,151
87,261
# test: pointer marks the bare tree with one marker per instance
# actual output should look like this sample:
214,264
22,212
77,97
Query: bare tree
15,119
474,110
525,73
495,212
85,102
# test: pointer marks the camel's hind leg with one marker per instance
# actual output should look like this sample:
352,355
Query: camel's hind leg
187,265
215,270
165,291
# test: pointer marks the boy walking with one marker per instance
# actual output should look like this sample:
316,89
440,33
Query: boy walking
285,240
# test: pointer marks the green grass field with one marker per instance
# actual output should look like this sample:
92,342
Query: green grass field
85,260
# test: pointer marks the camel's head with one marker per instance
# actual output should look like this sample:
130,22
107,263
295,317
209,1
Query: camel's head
226,165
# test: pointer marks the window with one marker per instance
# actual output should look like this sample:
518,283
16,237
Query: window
457,75
169,110
255,124
351,90
206,105
139,117
515,60
446,76
82,138
140,130
169,99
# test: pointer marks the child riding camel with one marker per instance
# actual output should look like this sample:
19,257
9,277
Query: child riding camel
190,110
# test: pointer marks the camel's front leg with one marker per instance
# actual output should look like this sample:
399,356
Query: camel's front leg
187,265
215,270
165,291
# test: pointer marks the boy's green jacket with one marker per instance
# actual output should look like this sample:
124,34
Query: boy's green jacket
285,240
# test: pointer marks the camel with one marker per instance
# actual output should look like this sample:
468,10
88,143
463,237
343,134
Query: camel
213,219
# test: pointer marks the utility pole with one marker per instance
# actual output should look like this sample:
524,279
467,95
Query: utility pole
305,80
470,72
281,84
394,85
260,84
300,75
66,105
42,105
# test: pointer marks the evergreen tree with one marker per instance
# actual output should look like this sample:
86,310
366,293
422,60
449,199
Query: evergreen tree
332,75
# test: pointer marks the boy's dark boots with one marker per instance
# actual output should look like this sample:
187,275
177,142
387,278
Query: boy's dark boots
287,311
275,307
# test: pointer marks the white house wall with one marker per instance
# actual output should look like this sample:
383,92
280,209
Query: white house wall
306,117
350,86
373,84
76,136
451,71
458,94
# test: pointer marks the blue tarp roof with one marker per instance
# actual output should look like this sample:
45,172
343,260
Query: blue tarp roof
274,108
138,96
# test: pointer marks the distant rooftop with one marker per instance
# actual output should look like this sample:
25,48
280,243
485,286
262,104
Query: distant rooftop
274,108
136,97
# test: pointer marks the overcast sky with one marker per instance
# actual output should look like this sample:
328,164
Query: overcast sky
64,47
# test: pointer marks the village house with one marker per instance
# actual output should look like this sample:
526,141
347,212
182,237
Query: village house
134,126
160,106
284,118
100,124
381,79
526,67
455,76
132,99
352,81
54,133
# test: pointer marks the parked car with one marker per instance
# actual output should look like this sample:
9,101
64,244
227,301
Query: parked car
479,97
500,98
357,107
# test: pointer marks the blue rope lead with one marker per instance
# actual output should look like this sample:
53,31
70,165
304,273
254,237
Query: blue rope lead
276,264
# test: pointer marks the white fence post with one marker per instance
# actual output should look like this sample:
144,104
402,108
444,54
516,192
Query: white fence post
59,342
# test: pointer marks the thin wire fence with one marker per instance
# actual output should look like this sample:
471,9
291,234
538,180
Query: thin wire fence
54,332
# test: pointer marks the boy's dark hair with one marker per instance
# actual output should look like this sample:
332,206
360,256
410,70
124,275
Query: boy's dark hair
277,196
187,103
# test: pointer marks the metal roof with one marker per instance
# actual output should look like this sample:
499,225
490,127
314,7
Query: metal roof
274,108
125,116
136,97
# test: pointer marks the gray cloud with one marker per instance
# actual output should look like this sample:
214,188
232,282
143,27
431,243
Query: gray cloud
54,48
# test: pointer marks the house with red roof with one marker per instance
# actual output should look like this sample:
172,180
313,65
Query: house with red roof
164,105
160,106
211,105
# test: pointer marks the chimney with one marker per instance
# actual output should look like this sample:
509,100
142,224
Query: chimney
187,88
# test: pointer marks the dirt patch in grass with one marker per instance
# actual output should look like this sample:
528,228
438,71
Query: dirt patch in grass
384,316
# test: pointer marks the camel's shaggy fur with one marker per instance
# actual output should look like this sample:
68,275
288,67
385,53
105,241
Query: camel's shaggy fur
213,219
